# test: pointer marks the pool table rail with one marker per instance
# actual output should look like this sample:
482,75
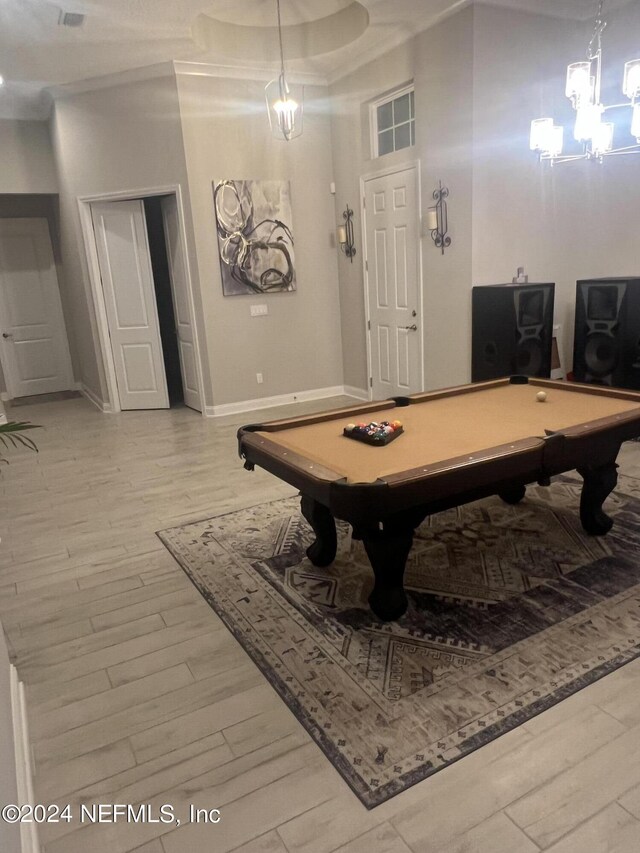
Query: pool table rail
385,512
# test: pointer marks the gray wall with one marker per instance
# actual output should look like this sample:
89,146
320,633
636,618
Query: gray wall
192,131
444,138
439,61
27,177
297,346
118,139
572,221
349,99
27,161
480,77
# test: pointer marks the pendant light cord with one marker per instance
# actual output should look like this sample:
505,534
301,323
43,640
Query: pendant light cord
599,26
280,39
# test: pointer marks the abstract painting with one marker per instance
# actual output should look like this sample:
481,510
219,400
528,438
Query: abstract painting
253,220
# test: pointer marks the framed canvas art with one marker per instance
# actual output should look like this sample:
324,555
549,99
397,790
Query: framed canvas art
255,241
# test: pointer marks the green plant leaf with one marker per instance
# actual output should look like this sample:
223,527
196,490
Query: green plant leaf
18,426
10,435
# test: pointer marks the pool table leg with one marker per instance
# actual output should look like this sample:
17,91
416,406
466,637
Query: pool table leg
388,554
599,482
513,495
322,552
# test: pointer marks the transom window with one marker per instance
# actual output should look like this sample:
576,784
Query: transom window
394,123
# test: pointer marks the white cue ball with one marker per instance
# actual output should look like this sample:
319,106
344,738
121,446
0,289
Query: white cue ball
541,396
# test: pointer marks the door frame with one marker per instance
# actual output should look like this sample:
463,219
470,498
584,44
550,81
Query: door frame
100,332
371,176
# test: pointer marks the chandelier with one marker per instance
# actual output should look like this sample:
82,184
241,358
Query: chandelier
584,80
284,110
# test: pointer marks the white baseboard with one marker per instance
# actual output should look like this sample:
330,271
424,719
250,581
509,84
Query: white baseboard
358,393
93,398
280,400
24,765
75,386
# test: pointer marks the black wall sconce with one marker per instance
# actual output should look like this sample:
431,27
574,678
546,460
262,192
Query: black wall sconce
437,222
345,234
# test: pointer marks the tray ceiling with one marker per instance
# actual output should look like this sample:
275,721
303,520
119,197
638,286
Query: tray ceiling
119,35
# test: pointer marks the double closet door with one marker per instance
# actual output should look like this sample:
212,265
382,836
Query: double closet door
131,307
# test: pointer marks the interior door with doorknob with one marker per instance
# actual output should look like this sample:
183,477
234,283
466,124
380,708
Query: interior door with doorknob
34,344
394,300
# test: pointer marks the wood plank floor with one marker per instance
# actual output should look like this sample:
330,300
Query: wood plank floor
136,692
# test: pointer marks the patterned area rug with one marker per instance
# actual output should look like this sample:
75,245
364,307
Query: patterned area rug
511,610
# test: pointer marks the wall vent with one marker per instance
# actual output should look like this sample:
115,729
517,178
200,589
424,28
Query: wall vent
70,19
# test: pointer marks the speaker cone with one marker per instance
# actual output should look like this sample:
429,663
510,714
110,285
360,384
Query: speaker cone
601,354
529,357
490,353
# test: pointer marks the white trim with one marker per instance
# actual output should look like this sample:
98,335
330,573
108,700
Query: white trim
241,72
75,386
96,296
280,400
93,398
165,210
24,761
107,81
358,393
370,176
96,293
173,69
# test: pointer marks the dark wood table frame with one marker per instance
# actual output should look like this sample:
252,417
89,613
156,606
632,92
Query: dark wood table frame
384,514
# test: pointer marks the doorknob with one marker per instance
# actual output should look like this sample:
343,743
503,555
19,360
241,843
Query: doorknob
411,328
7,335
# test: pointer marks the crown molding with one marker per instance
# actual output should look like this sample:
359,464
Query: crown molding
175,68
239,72
108,81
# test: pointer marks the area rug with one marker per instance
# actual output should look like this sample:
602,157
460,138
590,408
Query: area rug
512,609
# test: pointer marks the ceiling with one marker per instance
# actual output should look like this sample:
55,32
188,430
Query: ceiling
328,37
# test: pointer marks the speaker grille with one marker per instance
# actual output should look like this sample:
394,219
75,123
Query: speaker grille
607,332
512,330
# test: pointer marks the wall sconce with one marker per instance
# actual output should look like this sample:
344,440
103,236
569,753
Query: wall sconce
345,234
437,222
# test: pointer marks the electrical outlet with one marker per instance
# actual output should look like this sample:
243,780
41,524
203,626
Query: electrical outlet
259,378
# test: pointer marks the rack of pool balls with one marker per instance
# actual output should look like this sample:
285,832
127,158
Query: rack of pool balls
377,434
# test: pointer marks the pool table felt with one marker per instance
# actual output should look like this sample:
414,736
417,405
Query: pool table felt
447,427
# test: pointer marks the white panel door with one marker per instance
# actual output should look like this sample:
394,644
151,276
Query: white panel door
35,349
392,261
179,290
130,301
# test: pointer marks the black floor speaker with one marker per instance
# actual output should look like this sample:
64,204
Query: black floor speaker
606,345
512,330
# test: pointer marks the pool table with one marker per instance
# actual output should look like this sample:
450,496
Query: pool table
458,445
